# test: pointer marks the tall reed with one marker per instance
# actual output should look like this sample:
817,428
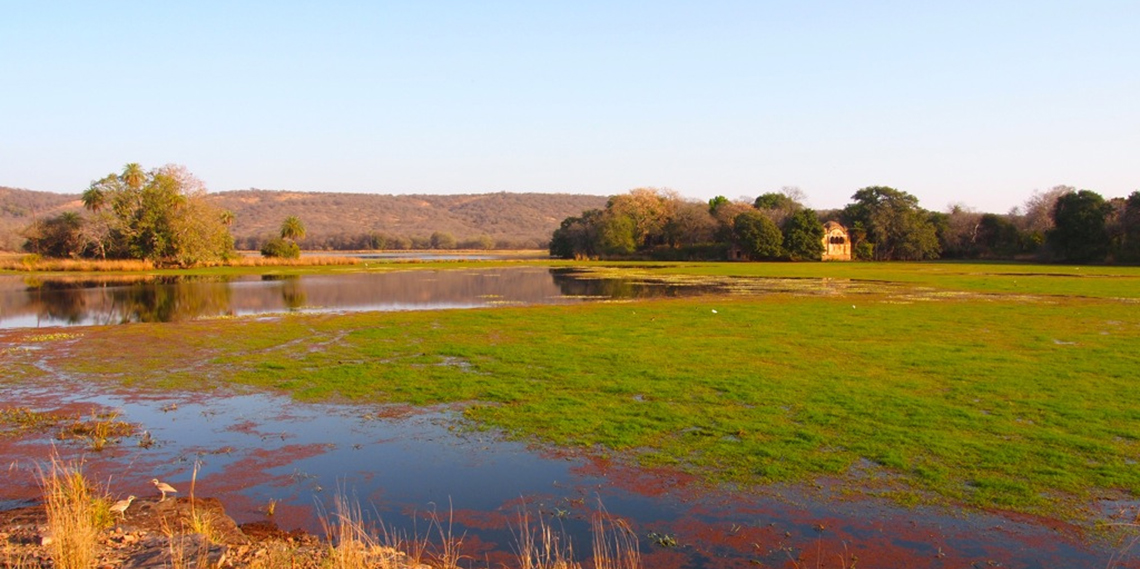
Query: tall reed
73,513
615,543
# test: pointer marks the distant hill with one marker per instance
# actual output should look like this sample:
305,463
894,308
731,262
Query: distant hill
18,208
352,221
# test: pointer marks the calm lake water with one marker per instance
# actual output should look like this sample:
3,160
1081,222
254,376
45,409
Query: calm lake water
28,301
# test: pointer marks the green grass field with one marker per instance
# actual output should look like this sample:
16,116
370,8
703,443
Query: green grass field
996,386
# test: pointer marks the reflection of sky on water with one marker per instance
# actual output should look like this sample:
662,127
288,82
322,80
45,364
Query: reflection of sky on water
255,448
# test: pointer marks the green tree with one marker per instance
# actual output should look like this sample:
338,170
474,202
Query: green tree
758,236
292,228
161,215
896,227
134,176
998,237
442,240
691,224
1130,221
774,200
1079,231
803,236
577,237
647,210
94,199
59,236
716,203
281,247
780,206
617,234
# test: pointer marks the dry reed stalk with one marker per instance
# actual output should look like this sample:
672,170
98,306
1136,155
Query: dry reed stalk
543,548
352,545
448,553
615,543
201,522
73,516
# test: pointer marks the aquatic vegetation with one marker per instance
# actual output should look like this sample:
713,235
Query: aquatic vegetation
99,430
959,385
53,337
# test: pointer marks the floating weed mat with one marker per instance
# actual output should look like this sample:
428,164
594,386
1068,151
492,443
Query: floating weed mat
891,292
745,286
22,419
53,337
97,431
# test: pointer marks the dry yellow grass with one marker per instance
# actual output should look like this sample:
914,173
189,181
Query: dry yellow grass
307,261
33,263
615,545
352,545
543,548
30,263
75,516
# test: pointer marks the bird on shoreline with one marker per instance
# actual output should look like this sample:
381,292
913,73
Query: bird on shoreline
164,488
121,506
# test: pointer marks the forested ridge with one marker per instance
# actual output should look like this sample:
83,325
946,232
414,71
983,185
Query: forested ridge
349,220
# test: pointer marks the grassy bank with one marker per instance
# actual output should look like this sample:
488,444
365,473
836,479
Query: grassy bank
1023,402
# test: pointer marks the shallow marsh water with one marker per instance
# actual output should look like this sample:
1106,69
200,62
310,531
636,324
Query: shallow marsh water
403,464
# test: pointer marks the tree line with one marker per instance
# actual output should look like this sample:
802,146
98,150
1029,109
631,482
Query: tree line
384,241
160,215
1059,225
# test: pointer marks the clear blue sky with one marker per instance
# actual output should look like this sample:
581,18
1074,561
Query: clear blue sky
975,102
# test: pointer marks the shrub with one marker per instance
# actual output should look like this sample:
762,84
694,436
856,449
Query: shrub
283,248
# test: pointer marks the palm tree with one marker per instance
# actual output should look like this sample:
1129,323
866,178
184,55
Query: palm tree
292,228
70,219
94,199
227,217
133,175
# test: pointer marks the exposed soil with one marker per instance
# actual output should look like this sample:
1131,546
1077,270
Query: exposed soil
155,533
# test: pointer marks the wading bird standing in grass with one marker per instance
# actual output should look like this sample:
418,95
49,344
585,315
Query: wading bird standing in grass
121,506
163,487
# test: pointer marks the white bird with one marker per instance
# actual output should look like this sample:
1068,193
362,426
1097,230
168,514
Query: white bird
163,487
714,311
121,506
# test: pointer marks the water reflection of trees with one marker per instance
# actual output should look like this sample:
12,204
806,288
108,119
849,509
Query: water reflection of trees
140,298
575,283
292,291
118,300
572,284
